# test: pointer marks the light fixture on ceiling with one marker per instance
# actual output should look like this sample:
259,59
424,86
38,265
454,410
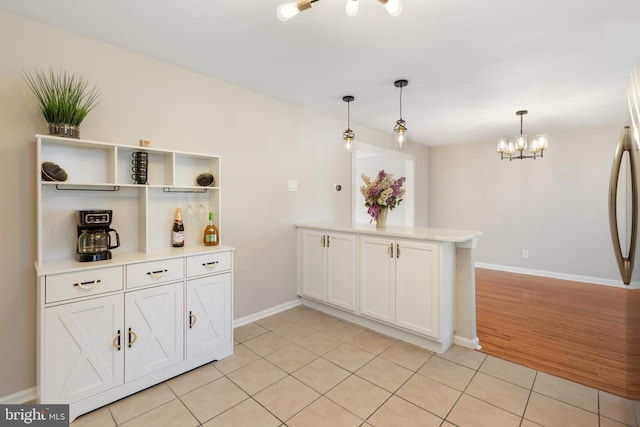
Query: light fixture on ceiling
509,147
348,136
400,129
287,11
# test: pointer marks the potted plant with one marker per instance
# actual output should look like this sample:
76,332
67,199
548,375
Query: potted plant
65,100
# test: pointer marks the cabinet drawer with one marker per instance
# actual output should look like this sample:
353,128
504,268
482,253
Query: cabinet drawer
59,287
208,263
149,273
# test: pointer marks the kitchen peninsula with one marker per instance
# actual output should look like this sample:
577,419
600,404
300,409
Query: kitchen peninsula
412,283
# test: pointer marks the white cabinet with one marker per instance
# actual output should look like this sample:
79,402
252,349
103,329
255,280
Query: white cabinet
83,343
400,283
111,328
328,267
209,314
154,328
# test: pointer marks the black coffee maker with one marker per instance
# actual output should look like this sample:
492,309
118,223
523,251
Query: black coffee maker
94,238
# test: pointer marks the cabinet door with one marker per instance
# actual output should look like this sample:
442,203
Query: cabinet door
208,314
417,287
154,329
341,271
313,264
377,279
80,352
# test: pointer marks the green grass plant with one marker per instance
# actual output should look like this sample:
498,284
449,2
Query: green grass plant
63,97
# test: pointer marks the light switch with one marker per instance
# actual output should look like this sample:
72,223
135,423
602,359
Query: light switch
293,185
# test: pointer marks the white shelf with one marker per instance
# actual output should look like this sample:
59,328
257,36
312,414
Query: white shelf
99,177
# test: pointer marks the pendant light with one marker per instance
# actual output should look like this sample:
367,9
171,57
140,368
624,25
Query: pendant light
400,128
348,136
352,7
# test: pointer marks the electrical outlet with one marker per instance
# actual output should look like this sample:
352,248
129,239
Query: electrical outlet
525,253
292,185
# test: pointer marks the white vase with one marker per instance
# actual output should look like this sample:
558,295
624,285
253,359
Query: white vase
381,222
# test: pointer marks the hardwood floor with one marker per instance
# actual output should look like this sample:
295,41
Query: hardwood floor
582,332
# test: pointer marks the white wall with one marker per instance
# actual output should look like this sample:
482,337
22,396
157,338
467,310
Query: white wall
263,141
555,207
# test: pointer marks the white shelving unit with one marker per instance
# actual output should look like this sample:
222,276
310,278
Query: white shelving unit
99,177
110,328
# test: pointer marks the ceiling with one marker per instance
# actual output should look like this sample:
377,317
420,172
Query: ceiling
470,64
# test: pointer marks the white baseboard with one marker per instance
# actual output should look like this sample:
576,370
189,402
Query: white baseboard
20,397
266,313
561,276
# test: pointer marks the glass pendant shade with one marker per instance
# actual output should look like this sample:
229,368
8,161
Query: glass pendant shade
521,141
401,137
352,7
501,146
511,148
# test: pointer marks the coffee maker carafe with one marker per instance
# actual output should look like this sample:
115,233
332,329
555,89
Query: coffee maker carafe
94,235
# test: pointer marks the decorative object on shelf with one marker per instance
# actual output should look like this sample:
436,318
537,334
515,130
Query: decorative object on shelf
382,195
348,136
52,172
65,100
400,129
140,164
287,11
536,146
145,143
205,179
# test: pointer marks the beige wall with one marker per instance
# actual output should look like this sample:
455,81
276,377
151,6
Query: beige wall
263,141
556,208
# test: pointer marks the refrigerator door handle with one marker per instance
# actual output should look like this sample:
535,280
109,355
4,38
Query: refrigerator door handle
625,264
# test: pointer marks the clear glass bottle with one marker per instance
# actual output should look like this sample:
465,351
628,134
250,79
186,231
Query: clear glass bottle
177,235
211,236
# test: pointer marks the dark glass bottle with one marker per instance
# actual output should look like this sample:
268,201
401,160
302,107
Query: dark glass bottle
177,235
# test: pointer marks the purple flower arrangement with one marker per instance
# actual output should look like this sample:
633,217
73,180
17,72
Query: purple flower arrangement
384,192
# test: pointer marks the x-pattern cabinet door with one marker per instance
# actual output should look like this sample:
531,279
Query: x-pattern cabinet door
83,348
154,331
208,313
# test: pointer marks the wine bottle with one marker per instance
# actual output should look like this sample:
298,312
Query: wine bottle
177,235
211,233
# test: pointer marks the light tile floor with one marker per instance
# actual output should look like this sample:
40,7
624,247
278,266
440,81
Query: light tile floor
305,368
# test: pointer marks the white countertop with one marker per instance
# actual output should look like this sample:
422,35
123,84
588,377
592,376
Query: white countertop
421,233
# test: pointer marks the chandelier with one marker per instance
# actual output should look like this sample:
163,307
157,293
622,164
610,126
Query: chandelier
287,11
509,147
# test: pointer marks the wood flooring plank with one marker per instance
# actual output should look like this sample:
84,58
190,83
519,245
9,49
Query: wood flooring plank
582,332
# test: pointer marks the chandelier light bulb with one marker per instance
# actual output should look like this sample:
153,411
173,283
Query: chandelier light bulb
501,146
352,7
393,7
287,11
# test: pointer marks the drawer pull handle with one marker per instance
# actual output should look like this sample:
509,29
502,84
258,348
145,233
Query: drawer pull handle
397,250
192,319
211,264
116,341
157,274
87,285
390,250
134,335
